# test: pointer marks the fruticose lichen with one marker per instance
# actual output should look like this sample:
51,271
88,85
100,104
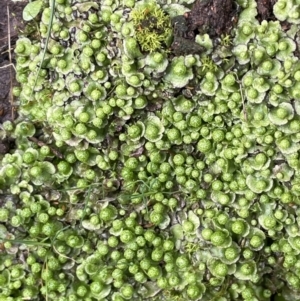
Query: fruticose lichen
152,26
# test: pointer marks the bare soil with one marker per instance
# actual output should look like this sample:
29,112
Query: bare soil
10,26
215,17
265,9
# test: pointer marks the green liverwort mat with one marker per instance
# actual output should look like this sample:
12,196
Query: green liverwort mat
155,157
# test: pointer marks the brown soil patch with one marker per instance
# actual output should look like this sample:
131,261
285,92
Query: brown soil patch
9,30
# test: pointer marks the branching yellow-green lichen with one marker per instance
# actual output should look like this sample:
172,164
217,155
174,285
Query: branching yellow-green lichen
138,15
226,40
150,40
208,65
152,26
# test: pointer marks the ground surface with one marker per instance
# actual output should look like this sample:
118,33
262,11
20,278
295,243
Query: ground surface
9,29
11,17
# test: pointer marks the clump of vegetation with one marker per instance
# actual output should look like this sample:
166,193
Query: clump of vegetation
152,26
138,174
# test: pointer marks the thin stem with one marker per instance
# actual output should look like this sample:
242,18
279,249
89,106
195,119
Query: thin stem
243,98
46,44
9,65
11,97
27,242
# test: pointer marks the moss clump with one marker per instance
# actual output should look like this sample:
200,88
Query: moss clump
152,26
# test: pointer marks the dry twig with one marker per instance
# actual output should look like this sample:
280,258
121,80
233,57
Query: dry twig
11,98
9,65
